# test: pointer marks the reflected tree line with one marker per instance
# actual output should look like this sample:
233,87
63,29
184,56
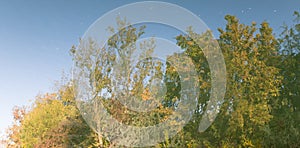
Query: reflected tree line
261,107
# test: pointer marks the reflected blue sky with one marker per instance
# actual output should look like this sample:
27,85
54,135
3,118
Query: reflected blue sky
35,37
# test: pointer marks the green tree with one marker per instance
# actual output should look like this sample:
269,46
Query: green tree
116,82
52,121
252,84
285,124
